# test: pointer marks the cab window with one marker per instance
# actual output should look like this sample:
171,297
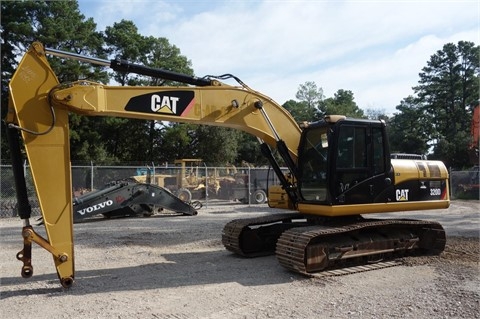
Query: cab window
351,158
313,165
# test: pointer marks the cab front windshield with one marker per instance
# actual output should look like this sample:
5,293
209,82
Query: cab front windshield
313,165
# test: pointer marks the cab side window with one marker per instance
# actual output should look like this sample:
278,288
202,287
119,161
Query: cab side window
352,148
352,164
378,151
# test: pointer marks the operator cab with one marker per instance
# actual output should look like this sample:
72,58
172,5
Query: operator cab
344,161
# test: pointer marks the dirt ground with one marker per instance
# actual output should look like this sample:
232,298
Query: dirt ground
176,267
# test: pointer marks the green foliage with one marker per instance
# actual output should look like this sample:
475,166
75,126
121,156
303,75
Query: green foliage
85,134
448,90
437,121
59,25
249,151
216,145
299,110
342,103
175,143
166,56
458,146
376,114
407,134
17,28
125,43
142,140
310,97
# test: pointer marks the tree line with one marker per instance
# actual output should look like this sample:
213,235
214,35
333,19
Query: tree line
435,121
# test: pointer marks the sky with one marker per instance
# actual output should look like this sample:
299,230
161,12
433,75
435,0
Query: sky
376,49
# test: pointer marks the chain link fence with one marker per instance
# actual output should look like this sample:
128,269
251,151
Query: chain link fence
207,184
465,184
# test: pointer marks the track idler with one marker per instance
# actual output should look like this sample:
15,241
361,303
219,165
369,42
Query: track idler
254,237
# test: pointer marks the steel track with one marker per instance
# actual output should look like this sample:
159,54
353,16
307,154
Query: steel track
309,245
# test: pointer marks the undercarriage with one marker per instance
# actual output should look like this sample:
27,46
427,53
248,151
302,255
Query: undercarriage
309,244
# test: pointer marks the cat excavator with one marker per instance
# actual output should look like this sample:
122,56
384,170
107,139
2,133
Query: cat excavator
340,168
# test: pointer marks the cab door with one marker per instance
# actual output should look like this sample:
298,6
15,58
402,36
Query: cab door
360,172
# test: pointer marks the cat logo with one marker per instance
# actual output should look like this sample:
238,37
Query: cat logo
177,103
164,104
402,195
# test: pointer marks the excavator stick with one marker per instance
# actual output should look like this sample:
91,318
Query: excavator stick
46,133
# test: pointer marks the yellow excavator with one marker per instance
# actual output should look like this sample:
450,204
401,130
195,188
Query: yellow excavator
339,168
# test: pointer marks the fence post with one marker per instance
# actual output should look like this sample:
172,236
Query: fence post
249,188
452,195
154,179
206,185
91,176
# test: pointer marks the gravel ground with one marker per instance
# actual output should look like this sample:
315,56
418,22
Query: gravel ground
176,267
